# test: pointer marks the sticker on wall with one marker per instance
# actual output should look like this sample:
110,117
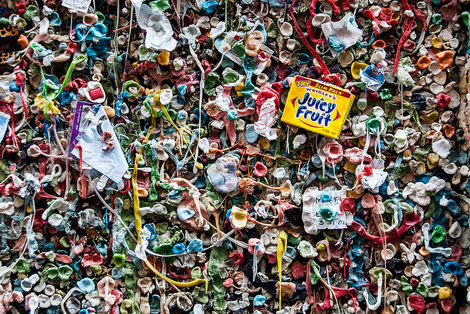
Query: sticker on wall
317,106
4,120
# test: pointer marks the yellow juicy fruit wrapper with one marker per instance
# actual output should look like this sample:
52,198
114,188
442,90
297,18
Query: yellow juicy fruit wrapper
317,106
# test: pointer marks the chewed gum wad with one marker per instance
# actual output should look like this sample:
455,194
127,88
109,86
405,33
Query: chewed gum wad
303,156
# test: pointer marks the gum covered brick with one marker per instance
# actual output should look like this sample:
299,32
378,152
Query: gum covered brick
234,156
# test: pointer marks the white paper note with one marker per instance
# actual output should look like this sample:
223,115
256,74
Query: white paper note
78,5
111,163
313,201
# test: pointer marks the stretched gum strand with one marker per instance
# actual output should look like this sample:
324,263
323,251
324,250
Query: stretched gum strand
410,220
281,248
323,66
379,222
280,188
176,283
67,78
137,214
328,288
156,97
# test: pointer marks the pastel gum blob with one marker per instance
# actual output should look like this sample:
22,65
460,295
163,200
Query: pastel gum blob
90,19
73,305
86,285
345,58
222,174
238,217
260,169
285,56
32,302
334,152
190,204
368,201
105,287
256,242
286,29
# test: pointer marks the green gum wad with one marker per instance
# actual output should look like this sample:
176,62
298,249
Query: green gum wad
119,259
402,170
327,213
96,269
166,242
210,83
294,241
176,234
163,248
422,289
130,278
31,11
376,273
465,16
200,294
154,175
50,271
217,272
146,54
231,77
65,271
420,152
129,306
126,214
239,49
161,227
160,5
385,94
314,278
431,209
323,179
373,126
4,170
196,273
64,241
22,266
405,286
101,17
271,30
438,234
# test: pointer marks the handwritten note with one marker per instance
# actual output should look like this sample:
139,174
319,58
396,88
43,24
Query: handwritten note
78,5
328,201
